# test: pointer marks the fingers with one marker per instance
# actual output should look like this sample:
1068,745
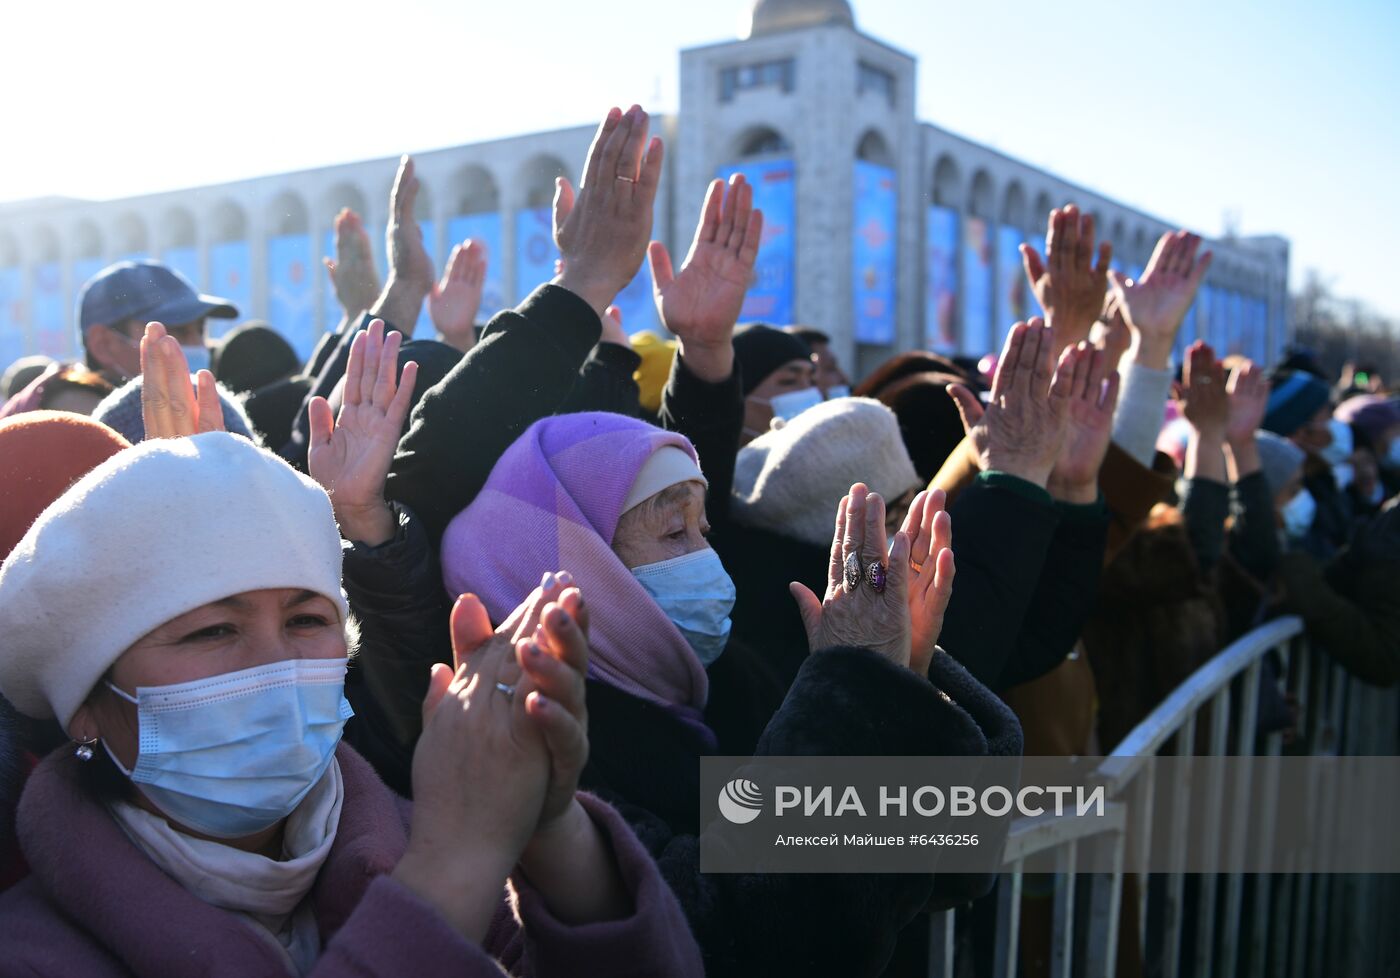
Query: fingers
662,272
853,535
354,368
563,204
1118,282
742,201
561,635
838,541
753,238
914,515
470,626
650,178
1159,254
810,610
397,412
551,587
969,407
1084,243
1069,237
178,393
564,734
1198,272
1041,356
612,162
944,571
1097,364
404,193
439,682
727,212
897,570
1011,352
1109,401
318,413
211,409
386,371
874,546
708,228
1054,240
1079,372
1062,381
1105,258
593,163
1031,262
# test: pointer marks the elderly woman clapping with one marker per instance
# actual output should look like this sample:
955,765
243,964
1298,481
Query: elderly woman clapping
179,612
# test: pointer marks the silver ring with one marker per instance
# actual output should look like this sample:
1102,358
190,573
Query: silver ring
626,179
852,575
507,689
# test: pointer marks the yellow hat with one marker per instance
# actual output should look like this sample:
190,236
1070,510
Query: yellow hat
651,376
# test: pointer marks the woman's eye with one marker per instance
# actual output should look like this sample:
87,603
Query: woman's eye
308,621
212,631
676,534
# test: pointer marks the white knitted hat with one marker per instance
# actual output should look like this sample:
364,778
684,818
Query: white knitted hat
791,479
152,533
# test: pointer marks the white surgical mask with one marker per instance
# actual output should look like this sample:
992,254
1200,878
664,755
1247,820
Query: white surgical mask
1342,445
1298,514
233,754
790,405
197,357
697,594
840,390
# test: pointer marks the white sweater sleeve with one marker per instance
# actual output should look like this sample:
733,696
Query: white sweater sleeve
1142,402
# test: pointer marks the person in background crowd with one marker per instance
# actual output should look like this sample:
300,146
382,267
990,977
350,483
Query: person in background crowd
1300,409
21,374
1375,421
777,373
115,305
69,387
830,379
253,355
915,387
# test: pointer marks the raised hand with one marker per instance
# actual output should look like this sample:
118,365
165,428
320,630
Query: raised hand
1155,305
350,456
1204,398
602,231
411,271
170,407
352,271
1068,284
701,305
866,601
1075,478
1023,427
454,301
931,569
1248,393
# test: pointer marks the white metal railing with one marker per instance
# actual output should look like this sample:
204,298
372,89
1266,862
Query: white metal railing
1294,919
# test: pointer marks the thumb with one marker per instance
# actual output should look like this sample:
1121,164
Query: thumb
471,627
1030,260
809,608
563,204
1118,281
439,680
969,408
662,274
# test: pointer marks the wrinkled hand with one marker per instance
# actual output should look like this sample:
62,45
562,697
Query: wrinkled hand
170,407
931,570
701,305
454,301
1155,305
352,271
1068,284
1023,427
602,231
1248,393
408,257
350,457
862,617
1092,400
1204,398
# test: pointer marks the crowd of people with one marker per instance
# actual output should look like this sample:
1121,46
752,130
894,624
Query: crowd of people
402,660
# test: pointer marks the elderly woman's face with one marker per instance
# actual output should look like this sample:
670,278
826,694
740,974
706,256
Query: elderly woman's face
243,631
666,525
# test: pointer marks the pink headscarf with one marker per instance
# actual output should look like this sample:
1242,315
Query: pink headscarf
552,503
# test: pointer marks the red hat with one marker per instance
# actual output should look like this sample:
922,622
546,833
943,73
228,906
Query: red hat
42,453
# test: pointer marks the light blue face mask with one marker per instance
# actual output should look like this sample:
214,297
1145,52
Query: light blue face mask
234,754
790,405
197,357
839,390
695,592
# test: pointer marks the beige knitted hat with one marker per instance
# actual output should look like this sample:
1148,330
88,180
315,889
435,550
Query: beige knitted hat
790,480
152,533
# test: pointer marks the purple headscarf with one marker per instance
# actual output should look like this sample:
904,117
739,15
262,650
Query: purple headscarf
552,503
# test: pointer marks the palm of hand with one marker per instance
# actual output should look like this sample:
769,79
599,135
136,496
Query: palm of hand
703,302
1087,434
354,463
1246,412
1158,303
1205,406
408,258
453,306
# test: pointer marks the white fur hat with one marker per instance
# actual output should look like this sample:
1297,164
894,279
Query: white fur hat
791,479
150,534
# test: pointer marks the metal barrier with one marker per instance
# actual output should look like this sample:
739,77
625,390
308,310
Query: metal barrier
1295,922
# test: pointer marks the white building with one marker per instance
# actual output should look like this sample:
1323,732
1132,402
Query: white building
885,231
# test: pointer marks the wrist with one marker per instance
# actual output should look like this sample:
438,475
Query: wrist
371,524
710,362
1068,329
1076,492
598,294
560,834
1028,470
1151,350
462,880
1207,436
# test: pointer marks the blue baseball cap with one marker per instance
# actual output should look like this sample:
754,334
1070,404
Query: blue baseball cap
149,290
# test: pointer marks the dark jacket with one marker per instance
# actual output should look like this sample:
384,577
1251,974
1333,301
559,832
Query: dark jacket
1234,535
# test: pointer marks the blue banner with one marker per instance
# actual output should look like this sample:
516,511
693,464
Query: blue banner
535,253
941,280
774,182
637,305
48,312
485,228
290,296
1259,353
12,318
977,282
874,265
1013,294
231,278
186,262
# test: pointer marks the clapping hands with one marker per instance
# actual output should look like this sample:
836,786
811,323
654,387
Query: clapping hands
1155,305
454,301
930,578
170,407
352,271
1067,282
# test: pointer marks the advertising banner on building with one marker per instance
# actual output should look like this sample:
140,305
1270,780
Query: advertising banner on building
941,280
1014,302
231,277
48,313
186,262
774,182
977,287
12,315
290,292
874,262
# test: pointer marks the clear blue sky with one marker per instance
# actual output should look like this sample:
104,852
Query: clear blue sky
1284,113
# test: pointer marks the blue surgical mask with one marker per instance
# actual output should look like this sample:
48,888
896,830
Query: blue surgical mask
1342,443
790,405
197,357
840,390
234,754
1344,473
1298,514
695,592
